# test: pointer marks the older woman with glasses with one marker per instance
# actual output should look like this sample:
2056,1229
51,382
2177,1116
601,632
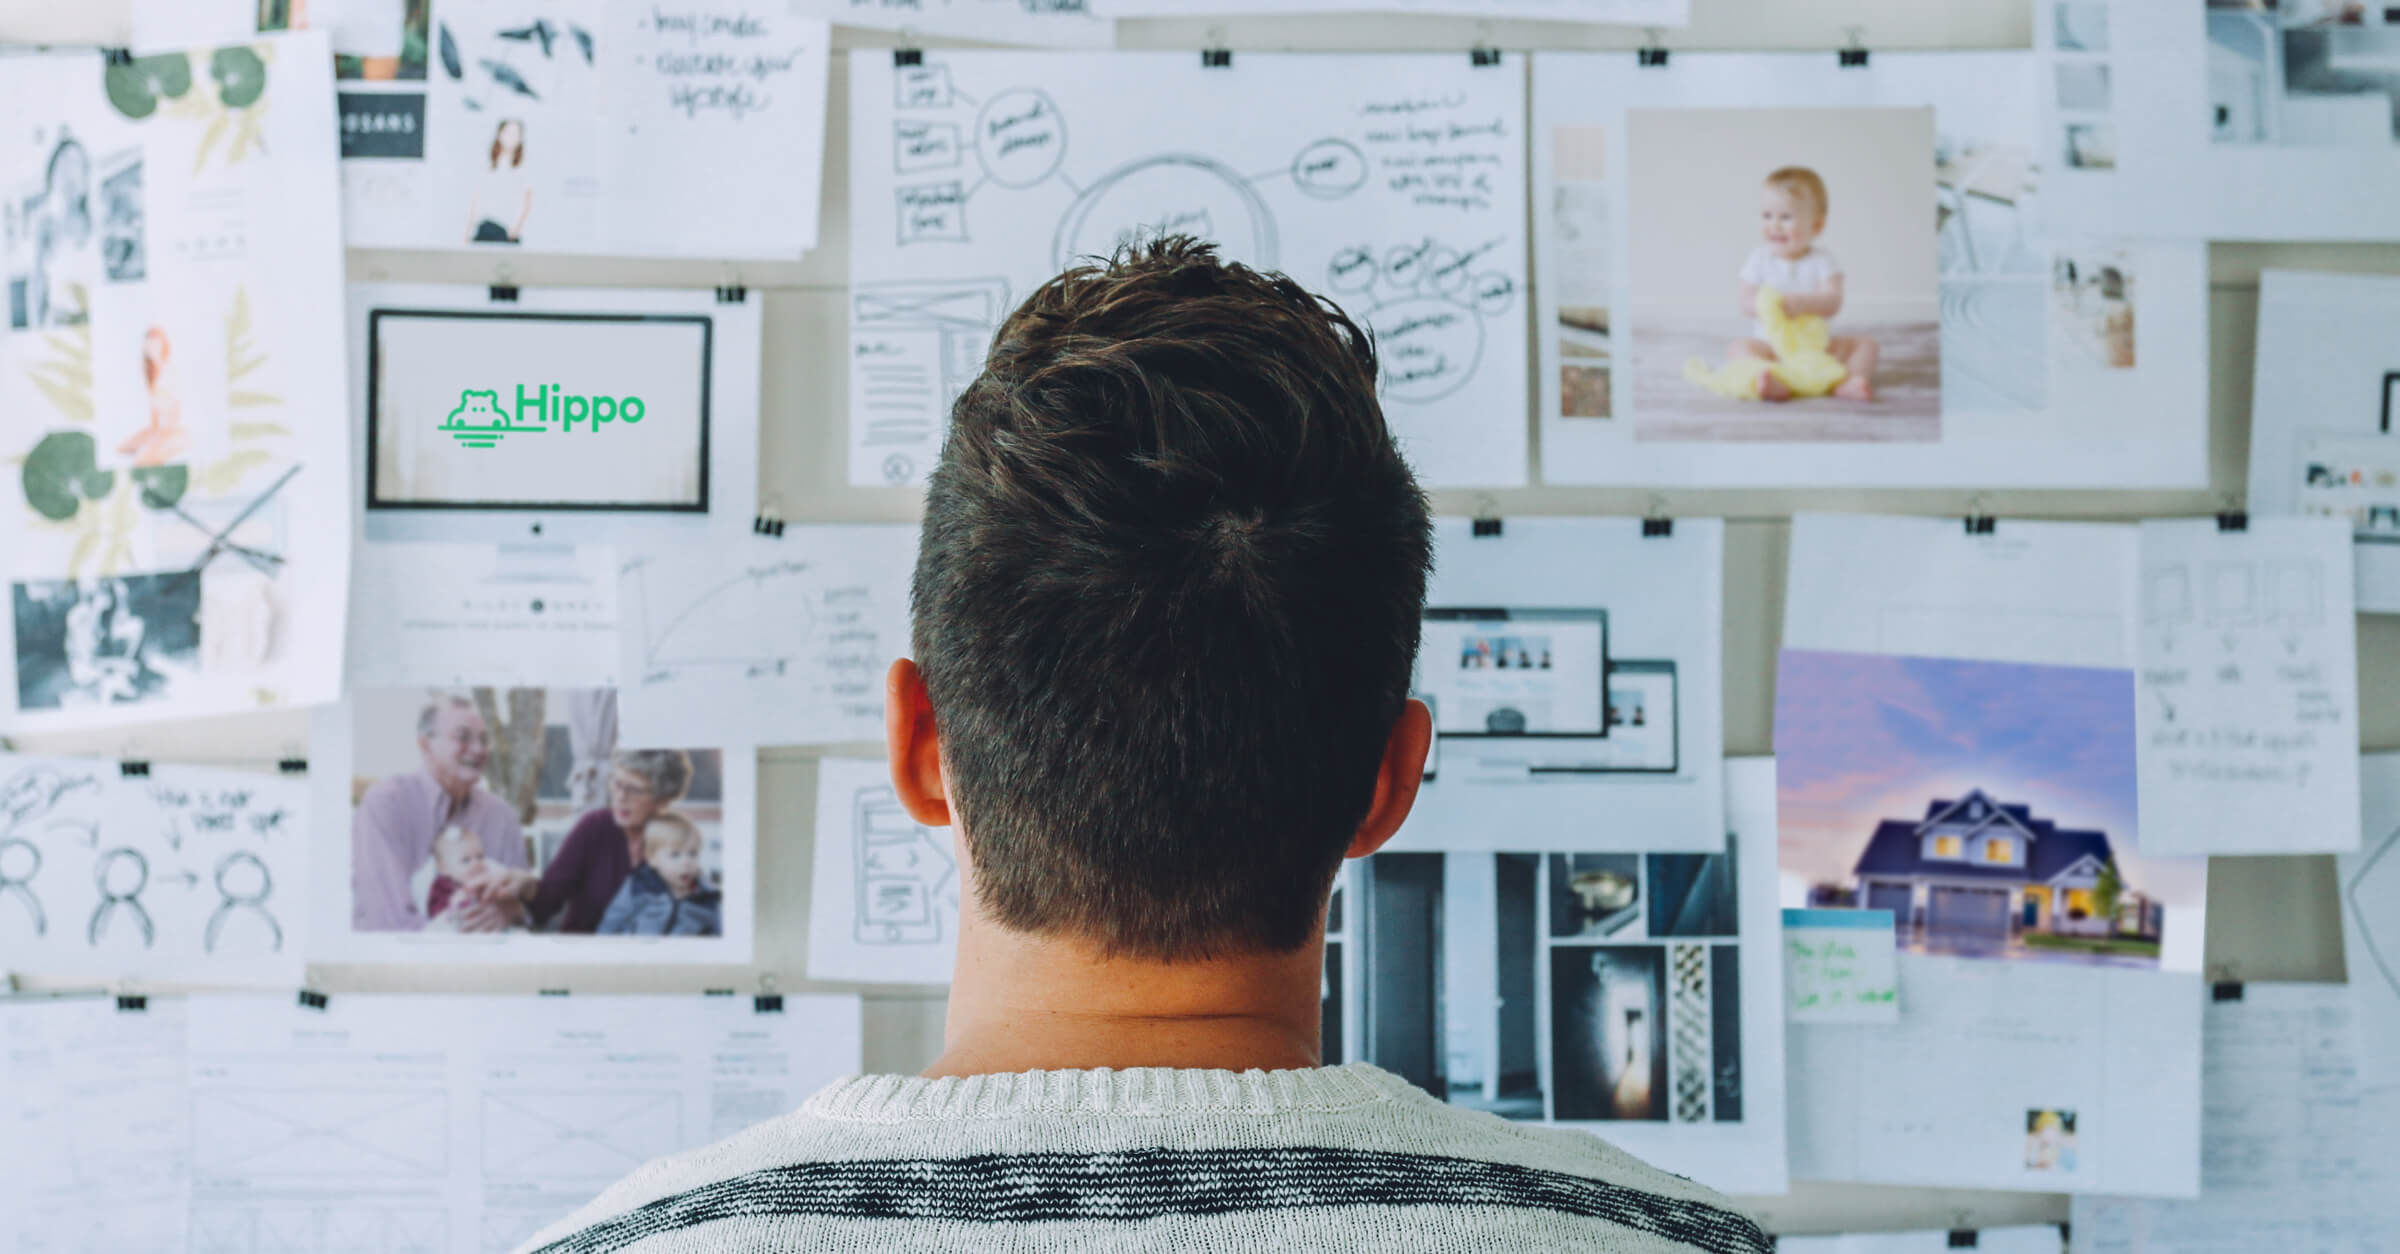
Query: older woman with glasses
604,846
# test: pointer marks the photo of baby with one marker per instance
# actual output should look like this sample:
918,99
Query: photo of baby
2092,304
2050,1140
1785,289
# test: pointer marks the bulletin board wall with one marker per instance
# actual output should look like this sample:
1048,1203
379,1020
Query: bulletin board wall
2270,918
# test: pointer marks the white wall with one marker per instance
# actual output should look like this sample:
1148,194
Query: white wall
2269,918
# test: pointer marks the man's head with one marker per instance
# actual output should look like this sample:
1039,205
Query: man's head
455,743
1792,210
1167,602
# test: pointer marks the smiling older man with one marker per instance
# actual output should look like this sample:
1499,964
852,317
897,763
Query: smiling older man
393,830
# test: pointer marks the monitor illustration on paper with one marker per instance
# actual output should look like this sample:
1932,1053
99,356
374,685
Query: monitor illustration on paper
1526,693
517,425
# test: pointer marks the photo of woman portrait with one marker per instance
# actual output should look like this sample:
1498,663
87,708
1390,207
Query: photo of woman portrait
504,195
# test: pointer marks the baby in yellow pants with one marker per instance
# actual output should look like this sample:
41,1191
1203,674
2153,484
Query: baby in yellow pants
1788,265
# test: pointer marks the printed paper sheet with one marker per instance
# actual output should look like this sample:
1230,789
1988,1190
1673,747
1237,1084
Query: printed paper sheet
883,904
496,825
1054,23
172,243
2370,887
1622,12
768,641
2248,702
617,127
1573,668
2197,120
459,1125
1634,994
2323,399
95,1104
1992,341
2298,1149
185,874
1395,184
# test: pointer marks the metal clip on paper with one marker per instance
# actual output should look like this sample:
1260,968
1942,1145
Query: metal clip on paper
132,1003
1650,55
768,522
116,56
1216,58
1964,1239
133,768
1656,523
292,766
905,57
1854,57
1483,58
731,292
311,999
768,1001
2233,520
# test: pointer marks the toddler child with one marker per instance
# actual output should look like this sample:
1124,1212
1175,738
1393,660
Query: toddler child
457,858
1791,216
663,896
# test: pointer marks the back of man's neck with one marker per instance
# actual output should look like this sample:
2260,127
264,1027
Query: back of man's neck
1025,1003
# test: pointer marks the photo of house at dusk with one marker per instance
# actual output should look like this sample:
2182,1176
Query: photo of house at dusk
1989,806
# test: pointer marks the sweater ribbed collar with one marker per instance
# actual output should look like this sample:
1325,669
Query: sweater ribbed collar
1104,1091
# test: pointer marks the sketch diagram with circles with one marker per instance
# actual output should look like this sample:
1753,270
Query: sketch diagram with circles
1402,203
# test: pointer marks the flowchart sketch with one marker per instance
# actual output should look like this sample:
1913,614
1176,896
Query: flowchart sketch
2248,717
111,871
774,642
1393,185
884,906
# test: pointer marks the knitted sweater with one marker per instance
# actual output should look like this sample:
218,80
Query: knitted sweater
1337,1158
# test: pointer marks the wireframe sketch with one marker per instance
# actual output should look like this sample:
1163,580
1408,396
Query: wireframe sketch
122,640
1394,192
391,1135
2373,885
597,1134
2303,73
907,881
291,1227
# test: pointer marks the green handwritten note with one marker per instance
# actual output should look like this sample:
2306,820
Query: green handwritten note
1839,967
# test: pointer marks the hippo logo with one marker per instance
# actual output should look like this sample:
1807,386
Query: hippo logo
478,421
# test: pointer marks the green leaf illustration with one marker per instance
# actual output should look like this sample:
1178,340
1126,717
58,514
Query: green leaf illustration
61,474
136,86
162,486
241,76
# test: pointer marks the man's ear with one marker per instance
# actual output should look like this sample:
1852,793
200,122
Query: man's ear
914,746
1397,779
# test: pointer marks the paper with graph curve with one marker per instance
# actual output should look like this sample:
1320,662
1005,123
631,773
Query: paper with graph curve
766,641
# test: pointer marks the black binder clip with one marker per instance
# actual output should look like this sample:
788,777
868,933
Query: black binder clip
1854,57
132,1003
732,294
1653,528
1483,58
134,768
905,57
768,523
768,1001
116,56
1979,524
311,999
1486,528
1216,58
1650,58
1964,1239
2233,520
503,293
2225,990
292,766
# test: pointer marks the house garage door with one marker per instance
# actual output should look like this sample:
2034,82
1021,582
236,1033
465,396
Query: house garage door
1892,897
1969,914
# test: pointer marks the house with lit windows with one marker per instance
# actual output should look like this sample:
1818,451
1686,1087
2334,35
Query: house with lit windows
1974,871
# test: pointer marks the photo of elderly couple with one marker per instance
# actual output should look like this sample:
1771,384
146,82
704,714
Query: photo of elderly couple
488,810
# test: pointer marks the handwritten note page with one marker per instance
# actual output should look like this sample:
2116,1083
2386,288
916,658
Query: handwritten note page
95,1125
1839,966
764,641
1050,24
883,907
456,1124
2297,1152
186,873
2248,677
1393,184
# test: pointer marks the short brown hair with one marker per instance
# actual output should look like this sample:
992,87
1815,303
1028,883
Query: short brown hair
1799,180
666,831
1167,602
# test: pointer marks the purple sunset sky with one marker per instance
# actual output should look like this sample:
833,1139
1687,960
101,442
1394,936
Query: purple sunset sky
1864,737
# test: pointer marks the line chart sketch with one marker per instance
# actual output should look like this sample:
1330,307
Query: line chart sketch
170,874
597,1134
1393,185
777,641
884,906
